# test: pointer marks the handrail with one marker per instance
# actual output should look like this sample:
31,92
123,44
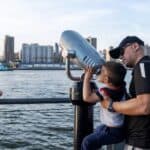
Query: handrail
50,101
33,100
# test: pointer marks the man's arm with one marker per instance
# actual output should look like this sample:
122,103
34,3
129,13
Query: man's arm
135,106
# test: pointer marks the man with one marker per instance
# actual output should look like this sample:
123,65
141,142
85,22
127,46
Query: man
137,108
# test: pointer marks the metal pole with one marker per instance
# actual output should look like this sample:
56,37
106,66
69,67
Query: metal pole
83,124
33,100
83,114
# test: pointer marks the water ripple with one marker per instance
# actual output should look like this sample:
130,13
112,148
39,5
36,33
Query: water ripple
41,126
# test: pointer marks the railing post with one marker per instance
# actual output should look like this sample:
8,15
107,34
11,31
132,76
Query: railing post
83,114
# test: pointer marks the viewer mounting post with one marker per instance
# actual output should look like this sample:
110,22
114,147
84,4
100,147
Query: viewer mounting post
77,50
83,112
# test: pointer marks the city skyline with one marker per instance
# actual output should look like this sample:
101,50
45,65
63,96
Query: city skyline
39,21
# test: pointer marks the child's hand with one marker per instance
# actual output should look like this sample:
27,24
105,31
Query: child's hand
88,73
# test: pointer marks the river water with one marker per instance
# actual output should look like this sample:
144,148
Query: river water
37,126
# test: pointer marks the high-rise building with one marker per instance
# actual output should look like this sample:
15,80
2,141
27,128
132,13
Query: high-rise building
56,49
92,41
36,54
147,50
9,49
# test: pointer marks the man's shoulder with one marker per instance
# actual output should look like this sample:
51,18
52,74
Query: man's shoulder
143,63
145,59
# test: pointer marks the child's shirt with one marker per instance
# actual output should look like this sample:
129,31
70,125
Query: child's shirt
112,119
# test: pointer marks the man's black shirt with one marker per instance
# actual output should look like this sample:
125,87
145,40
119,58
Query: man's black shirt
138,127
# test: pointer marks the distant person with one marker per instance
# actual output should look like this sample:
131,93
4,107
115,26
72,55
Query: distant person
137,108
111,129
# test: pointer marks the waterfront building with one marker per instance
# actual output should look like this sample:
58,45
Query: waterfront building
56,49
36,54
147,50
9,49
57,57
92,41
106,54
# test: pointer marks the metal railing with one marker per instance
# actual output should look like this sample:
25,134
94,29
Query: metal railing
33,100
51,101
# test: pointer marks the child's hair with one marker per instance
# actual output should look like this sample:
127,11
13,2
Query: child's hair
116,72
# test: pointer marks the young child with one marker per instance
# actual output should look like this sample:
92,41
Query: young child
111,129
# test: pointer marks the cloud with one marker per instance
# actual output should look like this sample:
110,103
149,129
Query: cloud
44,20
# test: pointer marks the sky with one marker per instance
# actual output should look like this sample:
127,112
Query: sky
43,21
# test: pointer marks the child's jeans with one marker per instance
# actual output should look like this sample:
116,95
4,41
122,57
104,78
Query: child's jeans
103,135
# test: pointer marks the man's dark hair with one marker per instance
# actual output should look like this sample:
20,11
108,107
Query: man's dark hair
116,72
